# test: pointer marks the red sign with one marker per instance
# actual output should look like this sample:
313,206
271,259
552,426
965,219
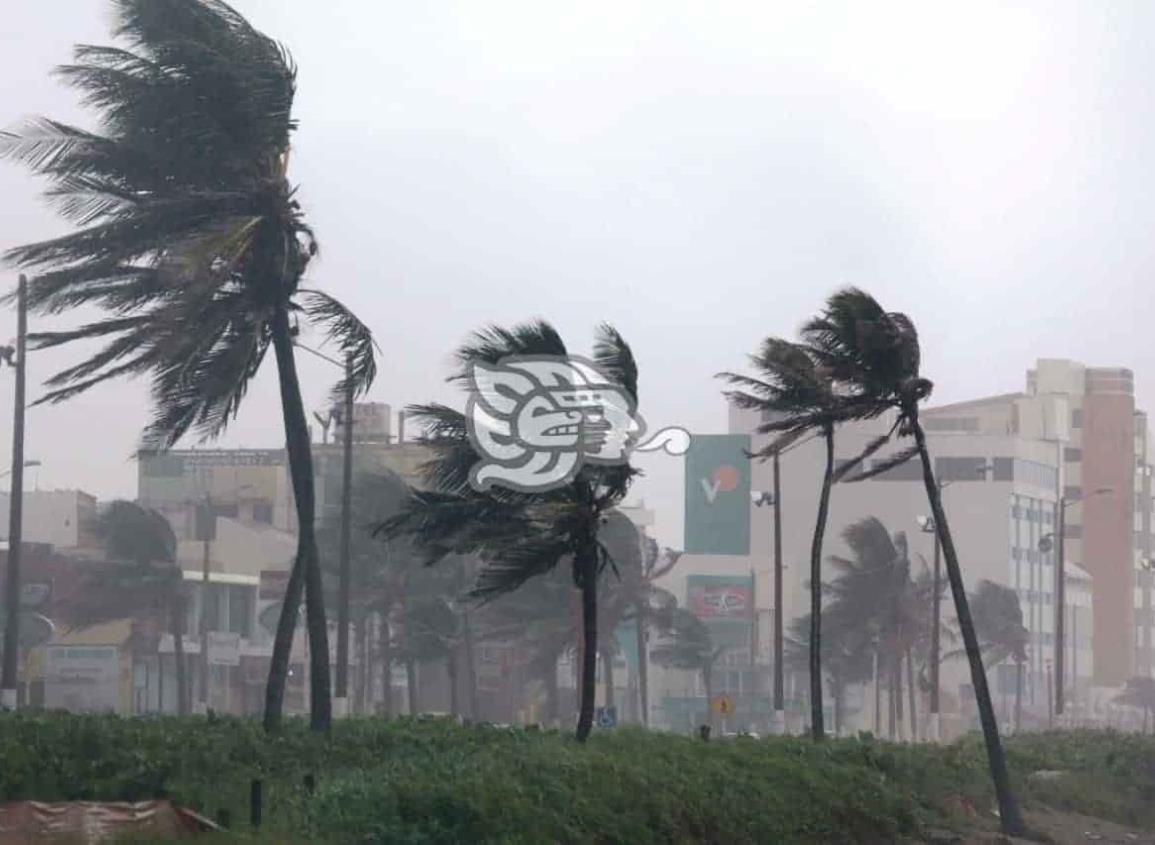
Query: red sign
719,601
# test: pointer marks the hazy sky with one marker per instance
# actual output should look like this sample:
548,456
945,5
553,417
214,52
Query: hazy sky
699,174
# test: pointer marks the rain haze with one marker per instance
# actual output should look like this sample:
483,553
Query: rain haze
698,175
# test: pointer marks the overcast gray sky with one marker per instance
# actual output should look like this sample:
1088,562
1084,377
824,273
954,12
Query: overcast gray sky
699,174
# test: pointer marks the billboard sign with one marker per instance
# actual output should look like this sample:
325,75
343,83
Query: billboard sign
718,495
224,648
82,678
719,597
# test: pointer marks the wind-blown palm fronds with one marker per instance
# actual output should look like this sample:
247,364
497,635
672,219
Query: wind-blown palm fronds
193,243
520,535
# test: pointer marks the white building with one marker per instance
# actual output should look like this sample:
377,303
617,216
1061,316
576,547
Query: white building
61,518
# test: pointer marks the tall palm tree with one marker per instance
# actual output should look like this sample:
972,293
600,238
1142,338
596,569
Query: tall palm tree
188,219
795,395
998,618
875,355
519,535
140,577
684,642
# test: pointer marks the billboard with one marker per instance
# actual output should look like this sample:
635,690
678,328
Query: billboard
82,678
718,495
720,596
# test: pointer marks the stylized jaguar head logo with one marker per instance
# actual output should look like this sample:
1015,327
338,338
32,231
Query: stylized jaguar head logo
536,420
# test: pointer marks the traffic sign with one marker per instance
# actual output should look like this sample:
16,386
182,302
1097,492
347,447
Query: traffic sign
607,717
723,704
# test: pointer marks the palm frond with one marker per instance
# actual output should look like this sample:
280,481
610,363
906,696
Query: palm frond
352,336
615,358
885,465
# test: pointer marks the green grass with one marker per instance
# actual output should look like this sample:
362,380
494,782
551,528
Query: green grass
429,780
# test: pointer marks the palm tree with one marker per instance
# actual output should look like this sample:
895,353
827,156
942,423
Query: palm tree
1139,692
998,618
188,219
519,535
847,653
684,642
875,355
876,597
428,632
795,395
141,576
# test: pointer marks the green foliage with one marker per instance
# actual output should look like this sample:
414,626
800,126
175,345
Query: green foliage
428,780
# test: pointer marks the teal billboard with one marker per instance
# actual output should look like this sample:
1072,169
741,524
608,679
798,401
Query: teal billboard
718,495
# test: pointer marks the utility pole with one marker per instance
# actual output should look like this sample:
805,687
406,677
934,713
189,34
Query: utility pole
207,528
1060,603
779,705
341,699
935,727
8,697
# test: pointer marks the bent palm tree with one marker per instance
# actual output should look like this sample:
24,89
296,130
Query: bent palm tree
140,576
876,355
519,535
795,395
188,219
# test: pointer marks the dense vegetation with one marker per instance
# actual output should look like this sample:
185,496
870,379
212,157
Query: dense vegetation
428,780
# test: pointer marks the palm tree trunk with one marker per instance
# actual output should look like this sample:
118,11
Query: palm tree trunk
552,703
454,693
411,683
1009,815
360,632
707,684
643,667
836,690
608,674
282,648
470,662
1019,696
588,574
816,729
301,470
913,697
182,696
385,645
877,699
892,728
899,715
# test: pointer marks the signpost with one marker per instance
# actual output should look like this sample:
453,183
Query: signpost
607,717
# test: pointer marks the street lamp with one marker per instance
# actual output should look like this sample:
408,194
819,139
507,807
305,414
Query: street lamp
1046,542
774,500
26,465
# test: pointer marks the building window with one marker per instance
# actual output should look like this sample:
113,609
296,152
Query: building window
1072,454
263,512
1072,494
961,469
240,611
1004,469
1077,418
1073,532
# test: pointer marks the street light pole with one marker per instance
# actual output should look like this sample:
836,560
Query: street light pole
1060,603
779,705
8,697
341,699
207,519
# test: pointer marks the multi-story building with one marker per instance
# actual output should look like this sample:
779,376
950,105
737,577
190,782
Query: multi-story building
64,519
